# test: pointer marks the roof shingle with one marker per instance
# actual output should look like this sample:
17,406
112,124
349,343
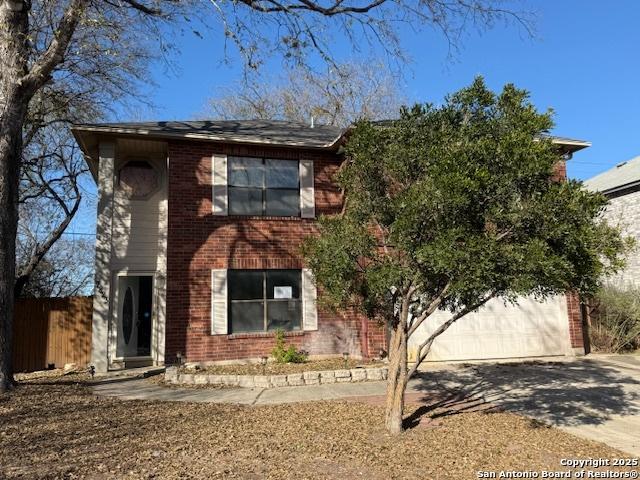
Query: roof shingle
623,174
274,132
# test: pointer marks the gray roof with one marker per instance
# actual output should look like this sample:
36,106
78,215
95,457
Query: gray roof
623,175
273,132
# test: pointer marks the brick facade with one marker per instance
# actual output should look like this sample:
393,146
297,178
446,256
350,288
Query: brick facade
574,311
198,242
575,321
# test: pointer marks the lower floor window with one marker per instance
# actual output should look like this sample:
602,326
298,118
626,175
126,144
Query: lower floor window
264,300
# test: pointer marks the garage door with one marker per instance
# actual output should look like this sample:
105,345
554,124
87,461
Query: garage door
531,329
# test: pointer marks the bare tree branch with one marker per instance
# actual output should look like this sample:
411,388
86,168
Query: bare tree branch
140,7
41,250
334,9
40,186
339,96
425,347
432,307
40,72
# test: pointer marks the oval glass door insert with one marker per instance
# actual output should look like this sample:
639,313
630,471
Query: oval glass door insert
127,315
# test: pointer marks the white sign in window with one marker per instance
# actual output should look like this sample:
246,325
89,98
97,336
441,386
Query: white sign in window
282,292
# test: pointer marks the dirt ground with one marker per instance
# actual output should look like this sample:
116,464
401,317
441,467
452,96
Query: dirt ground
64,431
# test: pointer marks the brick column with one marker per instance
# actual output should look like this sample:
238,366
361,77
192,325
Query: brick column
575,323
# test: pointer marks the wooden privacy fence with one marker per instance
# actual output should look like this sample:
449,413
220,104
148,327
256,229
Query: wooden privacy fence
51,331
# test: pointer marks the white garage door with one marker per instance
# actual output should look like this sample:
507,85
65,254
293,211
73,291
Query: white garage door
531,329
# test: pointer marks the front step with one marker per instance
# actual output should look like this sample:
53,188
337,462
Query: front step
138,362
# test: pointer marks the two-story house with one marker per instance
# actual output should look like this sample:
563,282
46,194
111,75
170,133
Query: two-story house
197,251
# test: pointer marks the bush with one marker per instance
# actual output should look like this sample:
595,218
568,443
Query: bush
615,324
286,354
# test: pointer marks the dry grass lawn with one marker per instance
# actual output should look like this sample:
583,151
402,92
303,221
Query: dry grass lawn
63,431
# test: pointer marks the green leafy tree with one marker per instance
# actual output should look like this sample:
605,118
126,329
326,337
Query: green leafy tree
451,206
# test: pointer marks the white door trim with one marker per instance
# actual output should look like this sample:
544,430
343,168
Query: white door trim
113,324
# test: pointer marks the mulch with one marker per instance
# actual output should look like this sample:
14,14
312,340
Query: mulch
273,368
64,431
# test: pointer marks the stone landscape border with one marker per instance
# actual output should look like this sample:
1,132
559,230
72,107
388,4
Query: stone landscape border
174,376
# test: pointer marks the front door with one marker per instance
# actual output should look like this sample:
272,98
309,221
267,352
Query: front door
135,308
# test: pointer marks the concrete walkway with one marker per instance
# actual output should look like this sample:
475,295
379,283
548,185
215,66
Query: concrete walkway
629,361
597,397
145,390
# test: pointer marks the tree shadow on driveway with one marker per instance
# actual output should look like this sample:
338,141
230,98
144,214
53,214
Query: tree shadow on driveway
581,392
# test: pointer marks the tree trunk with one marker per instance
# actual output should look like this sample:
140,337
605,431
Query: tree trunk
396,380
13,107
10,153
397,377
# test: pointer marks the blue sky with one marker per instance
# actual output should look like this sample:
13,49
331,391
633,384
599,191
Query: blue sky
584,62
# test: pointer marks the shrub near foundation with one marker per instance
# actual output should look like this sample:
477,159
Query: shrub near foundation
615,325
286,354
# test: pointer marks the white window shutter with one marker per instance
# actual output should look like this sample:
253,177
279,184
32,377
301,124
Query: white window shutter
309,295
219,188
219,302
307,193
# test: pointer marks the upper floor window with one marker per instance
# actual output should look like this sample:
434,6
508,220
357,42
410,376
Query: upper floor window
263,186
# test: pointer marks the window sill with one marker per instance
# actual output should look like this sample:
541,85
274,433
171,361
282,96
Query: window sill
234,336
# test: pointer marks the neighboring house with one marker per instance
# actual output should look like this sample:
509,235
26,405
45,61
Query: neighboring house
621,185
197,250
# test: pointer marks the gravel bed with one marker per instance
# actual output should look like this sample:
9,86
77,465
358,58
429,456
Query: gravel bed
64,431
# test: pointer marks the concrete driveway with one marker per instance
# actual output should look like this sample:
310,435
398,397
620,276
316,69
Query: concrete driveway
596,397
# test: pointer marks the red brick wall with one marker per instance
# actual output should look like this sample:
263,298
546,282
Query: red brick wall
560,171
573,299
198,242
575,320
